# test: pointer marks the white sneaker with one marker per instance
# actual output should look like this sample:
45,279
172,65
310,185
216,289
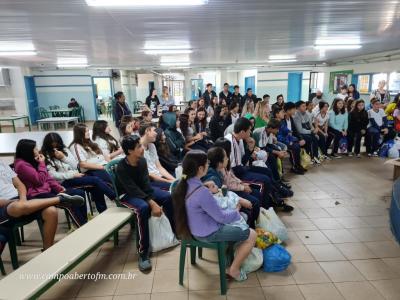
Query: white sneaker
327,157
369,155
375,154
350,154
316,160
336,156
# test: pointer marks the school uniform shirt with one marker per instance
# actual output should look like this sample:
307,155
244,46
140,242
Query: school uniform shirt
63,169
7,189
208,97
153,103
151,156
377,117
227,97
89,156
103,145
237,98
321,120
303,123
341,96
134,180
237,151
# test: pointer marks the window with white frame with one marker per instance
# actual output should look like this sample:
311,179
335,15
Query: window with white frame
376,78
394,82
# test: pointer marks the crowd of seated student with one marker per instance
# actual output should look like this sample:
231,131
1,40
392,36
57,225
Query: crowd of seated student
238,146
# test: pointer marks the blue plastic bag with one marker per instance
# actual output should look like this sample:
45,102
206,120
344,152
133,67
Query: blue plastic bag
343,144
384,149
276,258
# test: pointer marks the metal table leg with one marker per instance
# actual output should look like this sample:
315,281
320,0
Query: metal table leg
13,122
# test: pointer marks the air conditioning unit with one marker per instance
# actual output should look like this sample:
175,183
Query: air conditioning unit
5,77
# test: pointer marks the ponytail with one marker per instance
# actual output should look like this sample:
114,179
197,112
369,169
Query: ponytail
190,166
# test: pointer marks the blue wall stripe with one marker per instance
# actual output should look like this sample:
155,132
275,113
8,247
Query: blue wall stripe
64,85
266,80
62,76
286,71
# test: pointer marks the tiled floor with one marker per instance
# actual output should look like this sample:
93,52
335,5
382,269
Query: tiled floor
340,242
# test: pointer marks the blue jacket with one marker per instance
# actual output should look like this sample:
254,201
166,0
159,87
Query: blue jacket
285,135
215,176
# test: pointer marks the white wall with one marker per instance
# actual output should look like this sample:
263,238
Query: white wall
56,87
379,67
142,90
275,82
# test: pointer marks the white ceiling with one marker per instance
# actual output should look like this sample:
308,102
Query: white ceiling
221,33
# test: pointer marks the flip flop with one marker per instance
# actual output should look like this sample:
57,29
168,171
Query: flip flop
242,276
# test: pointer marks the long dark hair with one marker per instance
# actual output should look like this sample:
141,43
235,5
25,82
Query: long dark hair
335,108
215,156
162,146
217,113
202,123
184,119
99,131
79,138
191,163
24,151
227,146
48,148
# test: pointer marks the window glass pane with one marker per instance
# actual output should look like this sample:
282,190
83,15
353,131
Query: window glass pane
394,82
376,78
363,84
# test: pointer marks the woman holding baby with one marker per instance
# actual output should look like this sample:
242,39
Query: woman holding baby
199,216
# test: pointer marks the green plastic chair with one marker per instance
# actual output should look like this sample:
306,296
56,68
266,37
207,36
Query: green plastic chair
13,235
3,241
193,245
111,169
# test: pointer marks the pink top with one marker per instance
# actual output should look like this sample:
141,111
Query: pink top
36,181
232,182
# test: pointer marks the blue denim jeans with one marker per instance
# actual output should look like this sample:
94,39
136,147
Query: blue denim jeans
226,233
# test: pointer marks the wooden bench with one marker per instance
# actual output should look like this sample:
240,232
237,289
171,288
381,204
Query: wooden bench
64,255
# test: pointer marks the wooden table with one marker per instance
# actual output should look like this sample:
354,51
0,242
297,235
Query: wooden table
13,119
55,120
9,141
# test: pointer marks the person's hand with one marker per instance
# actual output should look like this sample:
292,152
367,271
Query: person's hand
203,133
344,133
238,207
245,203
363,131
198,137
385,131
40,158
79,175
256,149
156,210
247,188
58,154
63,190
302,143
281,154
316,130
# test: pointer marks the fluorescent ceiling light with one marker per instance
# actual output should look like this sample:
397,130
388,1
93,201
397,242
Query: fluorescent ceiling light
6,46
72,62
175,64
132,3
174,58
337,47
17,53
282,60
282,57
167,51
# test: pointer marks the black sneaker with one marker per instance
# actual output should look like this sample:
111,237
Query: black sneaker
285,184
287,208
71,200
144,262
297,171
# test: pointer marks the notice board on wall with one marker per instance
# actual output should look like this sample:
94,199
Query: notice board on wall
338,79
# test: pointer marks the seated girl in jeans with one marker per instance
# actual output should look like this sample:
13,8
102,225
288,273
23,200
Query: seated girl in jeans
198,215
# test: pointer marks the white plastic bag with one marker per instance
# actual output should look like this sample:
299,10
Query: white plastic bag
254,261
269,221
161,235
